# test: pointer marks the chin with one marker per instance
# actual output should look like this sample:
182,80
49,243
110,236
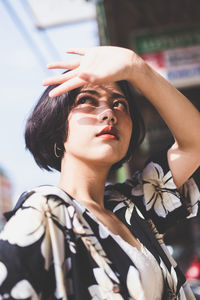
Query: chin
109,158
106,155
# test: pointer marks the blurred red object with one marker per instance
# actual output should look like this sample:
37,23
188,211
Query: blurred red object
193,272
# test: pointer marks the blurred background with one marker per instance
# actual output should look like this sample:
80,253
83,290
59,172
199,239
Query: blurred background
34,32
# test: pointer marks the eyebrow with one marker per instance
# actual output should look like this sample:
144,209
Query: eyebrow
93,92
118,95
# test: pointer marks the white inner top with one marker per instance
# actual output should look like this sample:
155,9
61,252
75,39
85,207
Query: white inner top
149,271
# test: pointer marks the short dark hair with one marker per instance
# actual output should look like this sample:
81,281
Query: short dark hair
138,131
48,125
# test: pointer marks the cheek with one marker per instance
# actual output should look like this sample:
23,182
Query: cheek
129,130
71,133
79,128
80,120
128,127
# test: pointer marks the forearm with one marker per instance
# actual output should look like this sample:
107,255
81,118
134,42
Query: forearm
182,118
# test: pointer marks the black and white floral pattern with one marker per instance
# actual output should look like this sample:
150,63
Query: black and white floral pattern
52,247
192,192
158,189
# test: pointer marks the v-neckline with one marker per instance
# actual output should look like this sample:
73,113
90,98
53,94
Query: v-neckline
82,208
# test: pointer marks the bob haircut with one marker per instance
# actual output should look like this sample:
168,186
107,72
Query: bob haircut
48,125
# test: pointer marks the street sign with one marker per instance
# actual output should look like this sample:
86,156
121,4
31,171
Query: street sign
175,54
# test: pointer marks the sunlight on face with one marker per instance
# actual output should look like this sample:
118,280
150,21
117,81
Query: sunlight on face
99,125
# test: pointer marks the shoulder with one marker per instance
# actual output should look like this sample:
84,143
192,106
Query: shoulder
33,227
153,188
38,198
33,213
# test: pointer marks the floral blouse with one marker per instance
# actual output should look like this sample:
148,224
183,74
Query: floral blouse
52,247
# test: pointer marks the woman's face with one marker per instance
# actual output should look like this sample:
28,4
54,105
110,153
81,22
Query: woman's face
99,125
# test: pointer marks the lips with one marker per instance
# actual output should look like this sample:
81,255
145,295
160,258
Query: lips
109,131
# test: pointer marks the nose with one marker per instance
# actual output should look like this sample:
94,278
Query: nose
108,117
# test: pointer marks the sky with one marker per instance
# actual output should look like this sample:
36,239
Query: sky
24,53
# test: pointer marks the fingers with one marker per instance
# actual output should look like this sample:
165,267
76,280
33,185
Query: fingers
67,86
64,65
59,79
79,51
88,77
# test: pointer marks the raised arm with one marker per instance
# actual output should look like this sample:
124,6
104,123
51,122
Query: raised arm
107,64
182,118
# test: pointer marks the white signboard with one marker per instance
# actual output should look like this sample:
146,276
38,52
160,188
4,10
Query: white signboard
180,66
56,12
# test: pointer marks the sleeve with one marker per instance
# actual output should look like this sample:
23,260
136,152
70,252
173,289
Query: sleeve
156,195
22,243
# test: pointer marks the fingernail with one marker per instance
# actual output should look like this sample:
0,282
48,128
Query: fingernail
51,94
84,76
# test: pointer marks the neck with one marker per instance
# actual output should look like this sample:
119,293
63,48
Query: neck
85,182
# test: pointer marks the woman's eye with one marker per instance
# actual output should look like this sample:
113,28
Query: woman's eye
85,100
121,105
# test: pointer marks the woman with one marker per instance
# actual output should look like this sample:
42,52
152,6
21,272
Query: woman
80,240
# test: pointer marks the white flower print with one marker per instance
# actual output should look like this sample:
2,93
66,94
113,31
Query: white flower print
23,290
46,250
77,225
95,249
129,211
104,289
191,190
25,227
158,235
170,277
135,290
123,202
119,206
69,282
56,214
102,279
139,213
5,296
159,190
95,292
3,272
103,231
80,206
